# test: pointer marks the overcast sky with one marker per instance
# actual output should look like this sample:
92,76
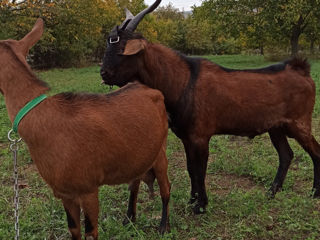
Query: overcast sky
181,4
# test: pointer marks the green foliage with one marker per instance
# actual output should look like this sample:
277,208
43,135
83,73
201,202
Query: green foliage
76,31
259,24
73,28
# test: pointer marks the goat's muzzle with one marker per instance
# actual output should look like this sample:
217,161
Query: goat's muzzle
105,74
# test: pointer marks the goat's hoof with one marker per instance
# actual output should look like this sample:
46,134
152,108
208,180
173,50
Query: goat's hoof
164,229
316,193
127,220
198,209
193,200
272,191
270,195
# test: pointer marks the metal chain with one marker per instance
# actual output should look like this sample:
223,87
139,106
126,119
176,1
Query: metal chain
14,148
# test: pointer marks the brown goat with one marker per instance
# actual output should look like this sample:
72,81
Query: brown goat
82,141
203,99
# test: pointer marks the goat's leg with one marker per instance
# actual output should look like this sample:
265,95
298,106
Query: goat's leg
280,142
160,169
197,152
132,205
314,152
90,207
302,134
191,166
72,208
312,147
149,178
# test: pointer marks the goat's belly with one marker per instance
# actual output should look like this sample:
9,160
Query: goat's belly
128,171
250,127
242,132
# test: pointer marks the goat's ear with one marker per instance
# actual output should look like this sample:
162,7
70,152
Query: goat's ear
134,46
32,37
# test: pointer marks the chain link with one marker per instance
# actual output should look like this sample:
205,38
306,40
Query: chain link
14,148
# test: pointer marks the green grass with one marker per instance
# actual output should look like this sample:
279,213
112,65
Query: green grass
239,172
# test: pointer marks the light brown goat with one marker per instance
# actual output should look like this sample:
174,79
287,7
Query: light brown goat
81,141
203,99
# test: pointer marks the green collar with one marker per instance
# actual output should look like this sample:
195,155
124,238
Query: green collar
27,108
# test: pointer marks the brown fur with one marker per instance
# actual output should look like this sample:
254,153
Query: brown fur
203,99
80,141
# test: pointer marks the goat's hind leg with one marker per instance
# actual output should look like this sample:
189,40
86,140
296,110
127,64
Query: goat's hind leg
314,152
148,179
160,169
304,137
72,208
90,206
132,205
280,142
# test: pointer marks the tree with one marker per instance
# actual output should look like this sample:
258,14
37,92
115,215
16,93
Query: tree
263,20
289,19
167,24
73,28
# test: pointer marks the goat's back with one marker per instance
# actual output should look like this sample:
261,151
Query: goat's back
250,103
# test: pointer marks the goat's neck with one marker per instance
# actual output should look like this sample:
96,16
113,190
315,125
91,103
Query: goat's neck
166,71
19,90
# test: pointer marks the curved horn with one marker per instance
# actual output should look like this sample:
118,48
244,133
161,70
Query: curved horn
129,17
136,20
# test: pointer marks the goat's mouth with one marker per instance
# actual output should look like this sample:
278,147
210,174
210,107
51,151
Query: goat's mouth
105,83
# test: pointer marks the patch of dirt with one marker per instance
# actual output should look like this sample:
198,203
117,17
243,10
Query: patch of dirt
301,186
177,160
220,183
240,141
224,183
31,168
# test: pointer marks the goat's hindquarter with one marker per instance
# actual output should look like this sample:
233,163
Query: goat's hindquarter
80,146
248,104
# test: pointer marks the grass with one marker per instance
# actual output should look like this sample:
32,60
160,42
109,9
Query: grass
239,172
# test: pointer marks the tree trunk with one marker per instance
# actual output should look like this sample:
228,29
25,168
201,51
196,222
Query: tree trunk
295,42
296,32
261,50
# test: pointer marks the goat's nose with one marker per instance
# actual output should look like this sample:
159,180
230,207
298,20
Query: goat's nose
105,72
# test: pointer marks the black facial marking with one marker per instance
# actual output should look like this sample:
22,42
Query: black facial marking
114,49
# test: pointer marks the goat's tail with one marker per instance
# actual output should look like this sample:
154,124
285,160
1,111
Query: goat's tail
300,65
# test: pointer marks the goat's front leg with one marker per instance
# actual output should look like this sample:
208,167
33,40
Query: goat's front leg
197,152
72,208
90,207
132,205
